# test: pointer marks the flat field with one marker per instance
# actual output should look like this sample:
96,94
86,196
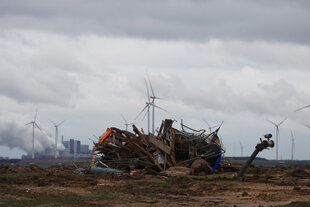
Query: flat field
58,186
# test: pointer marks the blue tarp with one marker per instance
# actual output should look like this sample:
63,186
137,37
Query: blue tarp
95,169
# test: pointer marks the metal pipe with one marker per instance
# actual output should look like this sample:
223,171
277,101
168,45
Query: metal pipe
248,163
259,147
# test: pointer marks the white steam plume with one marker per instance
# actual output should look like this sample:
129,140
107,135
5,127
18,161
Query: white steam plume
14,134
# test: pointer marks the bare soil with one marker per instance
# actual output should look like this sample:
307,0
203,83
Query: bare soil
58,186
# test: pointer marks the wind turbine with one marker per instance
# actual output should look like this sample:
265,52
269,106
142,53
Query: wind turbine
34,124
277,135
56,135
153,97
126,122
293,145
147,107
241,147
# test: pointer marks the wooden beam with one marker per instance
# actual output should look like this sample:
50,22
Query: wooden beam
149,155
172,145
160,144
138,132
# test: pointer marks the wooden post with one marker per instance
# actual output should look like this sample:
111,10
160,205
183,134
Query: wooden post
172,145
165,162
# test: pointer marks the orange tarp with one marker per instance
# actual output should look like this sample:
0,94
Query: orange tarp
105,135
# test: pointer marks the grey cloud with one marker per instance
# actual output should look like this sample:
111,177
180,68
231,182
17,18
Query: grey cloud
40,87
273,99
39,74
192,20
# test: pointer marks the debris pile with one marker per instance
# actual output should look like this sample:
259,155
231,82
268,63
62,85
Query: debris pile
123,150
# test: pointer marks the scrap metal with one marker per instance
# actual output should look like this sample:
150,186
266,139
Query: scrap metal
264,144
123,150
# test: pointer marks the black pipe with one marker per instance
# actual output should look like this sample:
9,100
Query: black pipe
248,163
259,147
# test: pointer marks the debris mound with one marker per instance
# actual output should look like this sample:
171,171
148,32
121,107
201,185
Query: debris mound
123,150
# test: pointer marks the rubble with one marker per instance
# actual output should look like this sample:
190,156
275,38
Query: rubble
122,150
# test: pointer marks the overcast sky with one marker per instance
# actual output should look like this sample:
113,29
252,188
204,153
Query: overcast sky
244,62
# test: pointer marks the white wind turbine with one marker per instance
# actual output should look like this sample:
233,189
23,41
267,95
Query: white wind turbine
126,122
147,108
277,135
241,147
34,124
56,135
153,97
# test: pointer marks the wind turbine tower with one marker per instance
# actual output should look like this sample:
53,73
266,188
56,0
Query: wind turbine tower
241,147
147,107
277,135
56,136
293,145
34,124
153,97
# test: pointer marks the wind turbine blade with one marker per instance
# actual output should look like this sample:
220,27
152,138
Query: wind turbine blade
145,114
282,121
292,135
147,105
147,90
302,108
272,122
61,123
160,98
37,126
53,122
148,77
29,123
124,119
306,125
35,116
160,108
278,131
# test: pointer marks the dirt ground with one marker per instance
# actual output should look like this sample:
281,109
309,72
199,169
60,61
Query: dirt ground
58,186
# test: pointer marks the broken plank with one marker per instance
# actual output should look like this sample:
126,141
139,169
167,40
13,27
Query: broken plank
160,144
149,155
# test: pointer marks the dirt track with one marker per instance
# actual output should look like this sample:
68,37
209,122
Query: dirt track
57,186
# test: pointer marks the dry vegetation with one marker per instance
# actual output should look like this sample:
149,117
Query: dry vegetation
58,186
